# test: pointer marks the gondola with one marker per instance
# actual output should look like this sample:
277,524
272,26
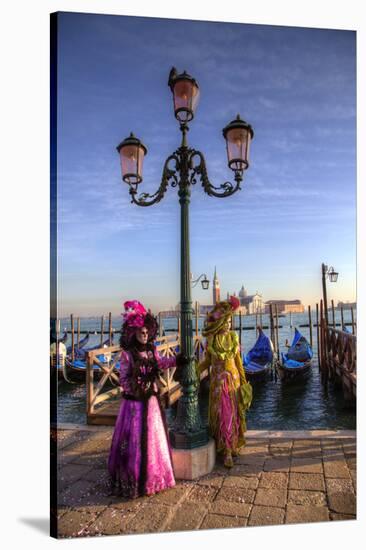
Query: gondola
258,361
296,363
77,367
78,347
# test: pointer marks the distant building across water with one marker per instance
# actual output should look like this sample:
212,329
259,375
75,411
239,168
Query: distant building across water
285,306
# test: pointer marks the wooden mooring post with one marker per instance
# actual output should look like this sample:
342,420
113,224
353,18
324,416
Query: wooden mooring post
342,319
72,337
101,330
333,314
110,329
353,321
277,339
310,327
317,333
78,338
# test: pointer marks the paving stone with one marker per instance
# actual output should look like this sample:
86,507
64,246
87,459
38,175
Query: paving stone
230,508
339,485
353,475
248,482
307,465
306,482
271,497
306,514
273,480
338,517
254,449
187,516
216,521
277,465
212,480
313,498
97,475
279,452
266,515
351,463
110,522
343,503
91,459
350,450
74,493
171,496
281,443
245,470
312,452
335,468
236,494
250,460
74,522
306,443
202,493
150,519
73,472
67,437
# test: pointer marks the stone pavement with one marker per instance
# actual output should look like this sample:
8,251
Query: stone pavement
280,477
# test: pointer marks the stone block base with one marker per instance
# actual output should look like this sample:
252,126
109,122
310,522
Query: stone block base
193,463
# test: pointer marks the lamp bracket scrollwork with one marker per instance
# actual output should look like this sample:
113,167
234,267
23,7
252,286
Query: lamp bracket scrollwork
199,170
145,199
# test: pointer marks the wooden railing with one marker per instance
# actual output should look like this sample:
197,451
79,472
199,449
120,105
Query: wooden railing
338,358
99,395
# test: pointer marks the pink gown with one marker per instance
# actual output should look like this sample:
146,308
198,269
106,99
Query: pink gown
140,461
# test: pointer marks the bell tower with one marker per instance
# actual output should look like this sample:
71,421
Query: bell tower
216,289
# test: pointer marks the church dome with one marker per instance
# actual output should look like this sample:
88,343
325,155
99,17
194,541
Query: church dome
243,293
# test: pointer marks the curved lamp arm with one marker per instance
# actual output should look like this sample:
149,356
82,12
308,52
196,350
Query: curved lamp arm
225,190
147,200
203,276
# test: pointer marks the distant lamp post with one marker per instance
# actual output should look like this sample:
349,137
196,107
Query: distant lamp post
333,277
204,281
182,169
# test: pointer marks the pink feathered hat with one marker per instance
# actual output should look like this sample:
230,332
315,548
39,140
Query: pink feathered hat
136,316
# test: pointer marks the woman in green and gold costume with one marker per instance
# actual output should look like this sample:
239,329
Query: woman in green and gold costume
230,394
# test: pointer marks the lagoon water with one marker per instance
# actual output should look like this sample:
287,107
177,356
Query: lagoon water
276,405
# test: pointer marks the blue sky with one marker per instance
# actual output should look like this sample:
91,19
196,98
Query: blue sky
297,207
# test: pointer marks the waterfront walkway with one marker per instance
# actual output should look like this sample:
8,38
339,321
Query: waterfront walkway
280,477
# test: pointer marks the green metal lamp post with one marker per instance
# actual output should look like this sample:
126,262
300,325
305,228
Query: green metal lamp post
182,169
333,276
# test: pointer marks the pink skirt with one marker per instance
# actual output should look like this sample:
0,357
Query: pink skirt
140,461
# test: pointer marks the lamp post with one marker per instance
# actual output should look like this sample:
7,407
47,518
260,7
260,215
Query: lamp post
182,169
333,276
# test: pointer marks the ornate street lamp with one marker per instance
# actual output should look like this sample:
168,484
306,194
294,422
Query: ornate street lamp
182,169
204,281
333,277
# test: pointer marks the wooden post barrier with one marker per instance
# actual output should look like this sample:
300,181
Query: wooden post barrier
317,333
101,330
72,337
310,327
342,319
278,342
78,338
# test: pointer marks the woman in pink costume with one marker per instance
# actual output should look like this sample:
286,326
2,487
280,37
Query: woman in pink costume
230,394
140,461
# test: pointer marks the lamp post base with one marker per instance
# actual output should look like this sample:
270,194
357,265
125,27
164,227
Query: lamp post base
194,463
190,440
